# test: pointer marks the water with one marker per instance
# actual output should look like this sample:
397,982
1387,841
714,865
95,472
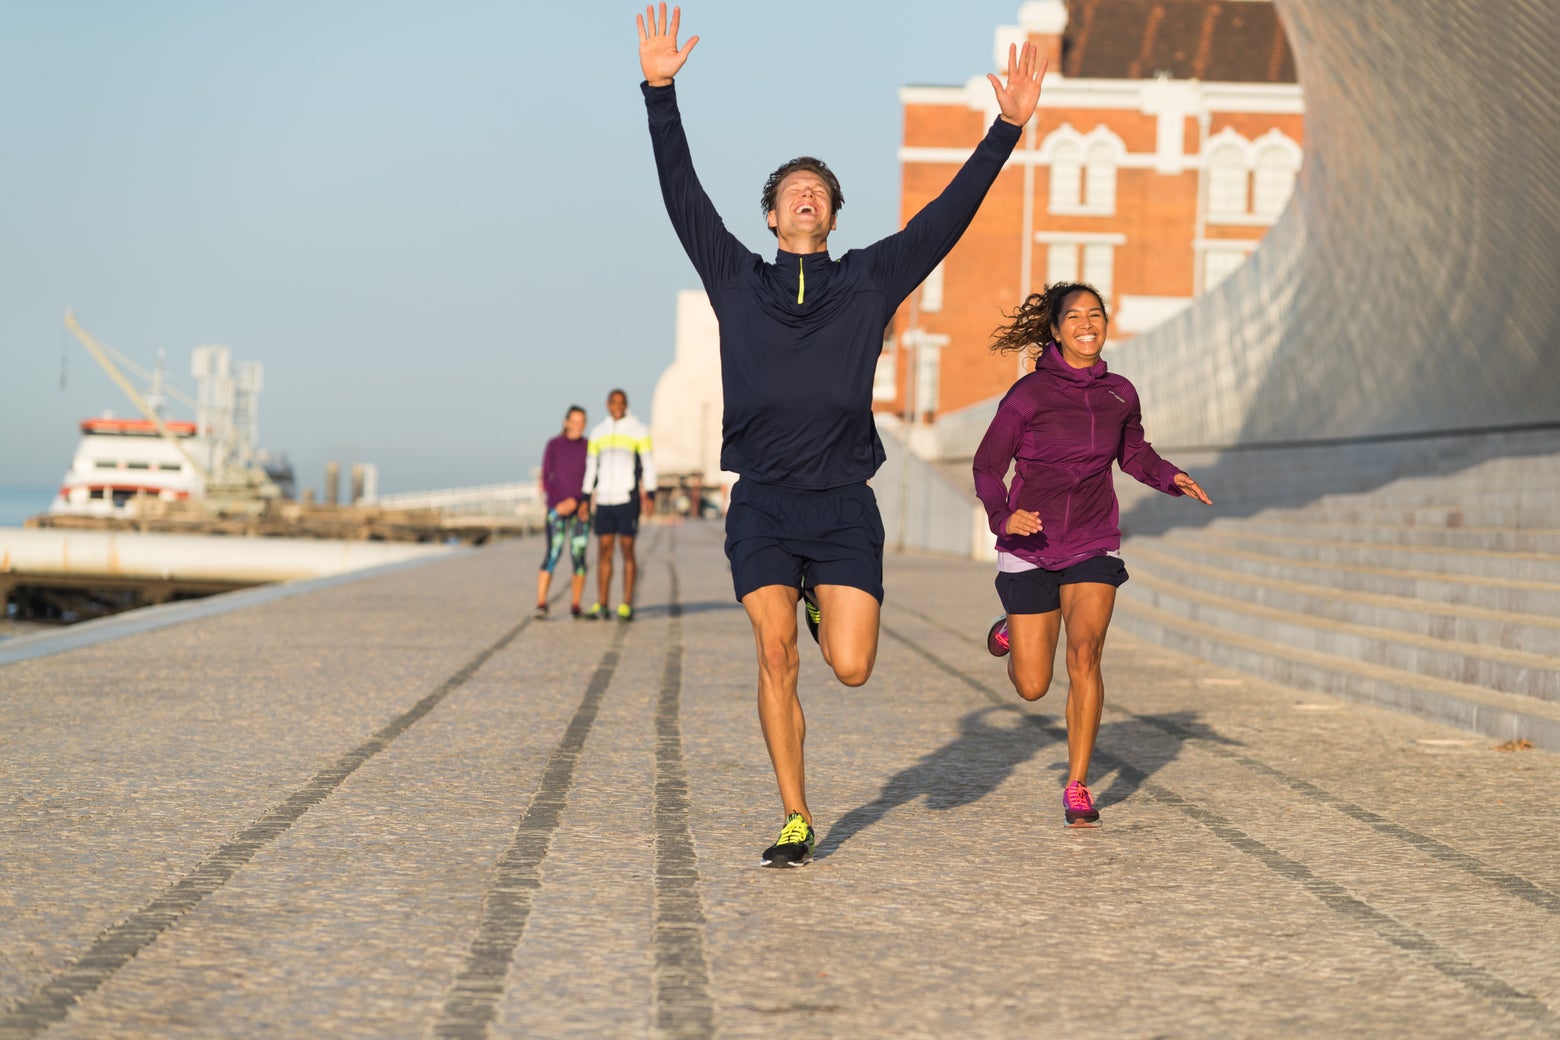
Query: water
19,503
16,505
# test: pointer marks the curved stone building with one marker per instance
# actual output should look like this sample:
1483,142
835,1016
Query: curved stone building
1413,285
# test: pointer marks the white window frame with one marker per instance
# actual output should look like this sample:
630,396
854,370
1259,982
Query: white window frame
1227,178
1275,162
1082,170
1068,258
1066,165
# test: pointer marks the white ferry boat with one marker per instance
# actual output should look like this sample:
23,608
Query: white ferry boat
121,460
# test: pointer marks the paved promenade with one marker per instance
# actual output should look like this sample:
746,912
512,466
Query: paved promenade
390,807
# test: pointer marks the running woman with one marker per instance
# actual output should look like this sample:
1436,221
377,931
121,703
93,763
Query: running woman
563,484
1058,537
620,483
799,343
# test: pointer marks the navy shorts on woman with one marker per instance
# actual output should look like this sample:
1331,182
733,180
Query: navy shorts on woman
1039,591
779,536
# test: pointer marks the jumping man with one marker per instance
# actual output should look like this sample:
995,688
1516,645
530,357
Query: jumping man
799,343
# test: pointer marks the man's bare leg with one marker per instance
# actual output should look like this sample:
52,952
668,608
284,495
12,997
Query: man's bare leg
848,631
772,612
604,568
630,567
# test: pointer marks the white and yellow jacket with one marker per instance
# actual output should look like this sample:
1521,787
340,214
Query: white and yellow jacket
615,446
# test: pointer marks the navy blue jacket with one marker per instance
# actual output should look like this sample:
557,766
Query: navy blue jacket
800,337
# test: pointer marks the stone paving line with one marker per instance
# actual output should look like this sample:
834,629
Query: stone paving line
393,807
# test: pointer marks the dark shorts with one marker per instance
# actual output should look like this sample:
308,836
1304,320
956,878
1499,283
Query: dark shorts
777,536
1039,591
623,519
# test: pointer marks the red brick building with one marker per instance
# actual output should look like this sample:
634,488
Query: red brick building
1167,141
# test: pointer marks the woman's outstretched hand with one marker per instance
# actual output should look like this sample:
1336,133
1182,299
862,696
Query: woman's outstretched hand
1190,487
1021,93
659,56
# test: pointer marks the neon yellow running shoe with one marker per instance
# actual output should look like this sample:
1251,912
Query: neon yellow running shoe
625,612
794,847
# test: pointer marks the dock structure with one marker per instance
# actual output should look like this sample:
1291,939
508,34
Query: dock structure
390,805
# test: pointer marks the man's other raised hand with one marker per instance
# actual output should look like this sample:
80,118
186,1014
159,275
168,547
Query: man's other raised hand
659,56
1021,93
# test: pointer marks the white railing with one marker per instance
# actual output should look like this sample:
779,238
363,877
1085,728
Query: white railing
505,500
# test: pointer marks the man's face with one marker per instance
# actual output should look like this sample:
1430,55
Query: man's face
617,405
802,206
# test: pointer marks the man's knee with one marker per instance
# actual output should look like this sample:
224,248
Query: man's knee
777,656
852,669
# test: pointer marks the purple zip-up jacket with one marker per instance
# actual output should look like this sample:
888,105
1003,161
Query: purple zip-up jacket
1063,427
563,469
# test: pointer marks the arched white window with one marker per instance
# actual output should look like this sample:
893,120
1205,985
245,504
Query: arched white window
1066,176
1100,177
1227,177
1273,181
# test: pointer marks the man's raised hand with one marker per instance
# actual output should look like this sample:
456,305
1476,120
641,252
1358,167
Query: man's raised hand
659,56
1019,96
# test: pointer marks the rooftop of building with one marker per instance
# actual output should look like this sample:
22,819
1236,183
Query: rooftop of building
1222,41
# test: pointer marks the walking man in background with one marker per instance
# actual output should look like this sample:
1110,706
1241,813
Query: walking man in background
619,485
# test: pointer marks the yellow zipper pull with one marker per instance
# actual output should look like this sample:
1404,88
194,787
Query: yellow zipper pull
801,279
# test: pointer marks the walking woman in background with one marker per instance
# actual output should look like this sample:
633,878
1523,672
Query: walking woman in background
1057,526
568,514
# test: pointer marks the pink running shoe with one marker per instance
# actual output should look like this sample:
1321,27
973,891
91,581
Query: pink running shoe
1078,807
997,637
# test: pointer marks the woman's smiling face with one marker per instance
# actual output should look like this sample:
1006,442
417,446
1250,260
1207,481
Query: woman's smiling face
1079,327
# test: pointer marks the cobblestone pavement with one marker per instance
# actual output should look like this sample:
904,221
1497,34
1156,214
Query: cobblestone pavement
392,808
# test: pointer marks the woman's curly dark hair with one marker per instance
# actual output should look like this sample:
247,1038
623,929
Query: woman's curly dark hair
1029,326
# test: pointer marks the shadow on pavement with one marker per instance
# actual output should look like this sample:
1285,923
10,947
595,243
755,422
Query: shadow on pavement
982,757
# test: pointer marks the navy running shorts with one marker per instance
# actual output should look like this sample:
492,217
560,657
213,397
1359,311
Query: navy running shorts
621,519
780,536
1039,591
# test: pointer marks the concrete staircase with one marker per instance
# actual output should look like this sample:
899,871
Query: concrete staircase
1438,595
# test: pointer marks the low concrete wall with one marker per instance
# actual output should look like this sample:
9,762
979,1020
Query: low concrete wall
125,556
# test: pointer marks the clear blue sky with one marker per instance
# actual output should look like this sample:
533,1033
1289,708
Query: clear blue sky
434,224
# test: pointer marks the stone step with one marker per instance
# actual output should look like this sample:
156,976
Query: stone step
1517,566
1491,667
1456,623
1516,596
1543,541
1362,511
1502,716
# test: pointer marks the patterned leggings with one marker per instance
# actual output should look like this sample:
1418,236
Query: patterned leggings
570,529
